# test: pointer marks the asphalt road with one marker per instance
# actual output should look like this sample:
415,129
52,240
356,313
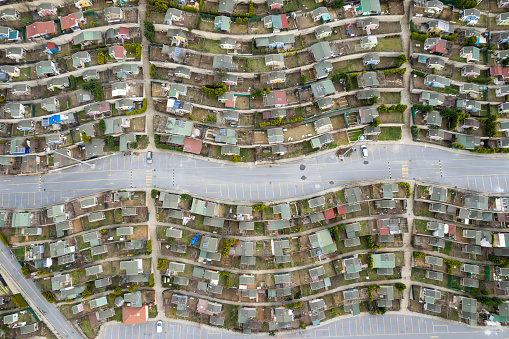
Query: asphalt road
32,295
257,183
353,327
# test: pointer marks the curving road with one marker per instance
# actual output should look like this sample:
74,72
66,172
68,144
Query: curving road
257,183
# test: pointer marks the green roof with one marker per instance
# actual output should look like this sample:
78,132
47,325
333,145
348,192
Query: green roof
370,6
21,219
321,50
87,35
385,260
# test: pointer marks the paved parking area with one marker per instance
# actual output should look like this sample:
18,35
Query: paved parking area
353,327
257,183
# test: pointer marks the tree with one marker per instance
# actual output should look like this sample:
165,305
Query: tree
151,280
400,286
149,32
303,79
84,137
149,246
25,270
375,122
100,58
154,193
132,288
85,294
490,129
470,41
117,290
49,297
80,271
337,4
102,126
465,4
19,301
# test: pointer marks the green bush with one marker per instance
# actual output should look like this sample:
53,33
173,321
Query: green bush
19,301
401,60
395,71
370,261
132,288
96,88
154,193
375,122
117,290
85,294
3,240
149,246
25,270
226,246
101,126
227,275
490,129
408,188
160,263
149,31
418,255
214,90
258,207
294,305
400,286
371,244
418,36
49,297
185,196
151,280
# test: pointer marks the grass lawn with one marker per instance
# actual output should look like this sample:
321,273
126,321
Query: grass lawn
212,46
389,44
390,133
354,135
259,228
391,97
87,328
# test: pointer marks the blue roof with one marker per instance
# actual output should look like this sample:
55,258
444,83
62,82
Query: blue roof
13,35
51,120
422,59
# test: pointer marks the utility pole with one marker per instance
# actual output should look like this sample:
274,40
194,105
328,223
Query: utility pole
361,138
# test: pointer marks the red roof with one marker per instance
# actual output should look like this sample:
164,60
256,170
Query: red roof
192,145
440,47
284,21
52,45
134,315
384,231
119,52
229,104
495,70
280,97
66,22
46,27
505,72
452,229
341,210
103,107
124,30
329,214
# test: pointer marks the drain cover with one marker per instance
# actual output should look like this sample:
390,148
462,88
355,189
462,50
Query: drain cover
303,177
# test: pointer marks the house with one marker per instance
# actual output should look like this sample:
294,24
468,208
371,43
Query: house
119,33
40,30
368,42
9,14
84,95
366,115
58,83
113,14
46,9
80,59
432,98
322,69
16,110
226,7
370,7
321,50
9,34
433,7
90,75
322,140
276,22
468,141
119,89
178,36
469,105
371,59
503,108
81,4
471,53
322,89
368,94
503,37
50,104
275,4
502,91
442,27
285,41
503,3
11,71
471,16
72,21
275,98
97,108
118,53
436,63
173,15
384,263
368,79
470,71
283,317
433,80
369,24
321,14
227,43
183,72
503,143
88,38
323,32
466,88
481,38
20,89
436,46
224,62
438,134
222,23
434,118
325,103
470,123
230,79
51,48
277,77
45,69
122,70
503,19
323,125
228,98
124,104
134,315
275,60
